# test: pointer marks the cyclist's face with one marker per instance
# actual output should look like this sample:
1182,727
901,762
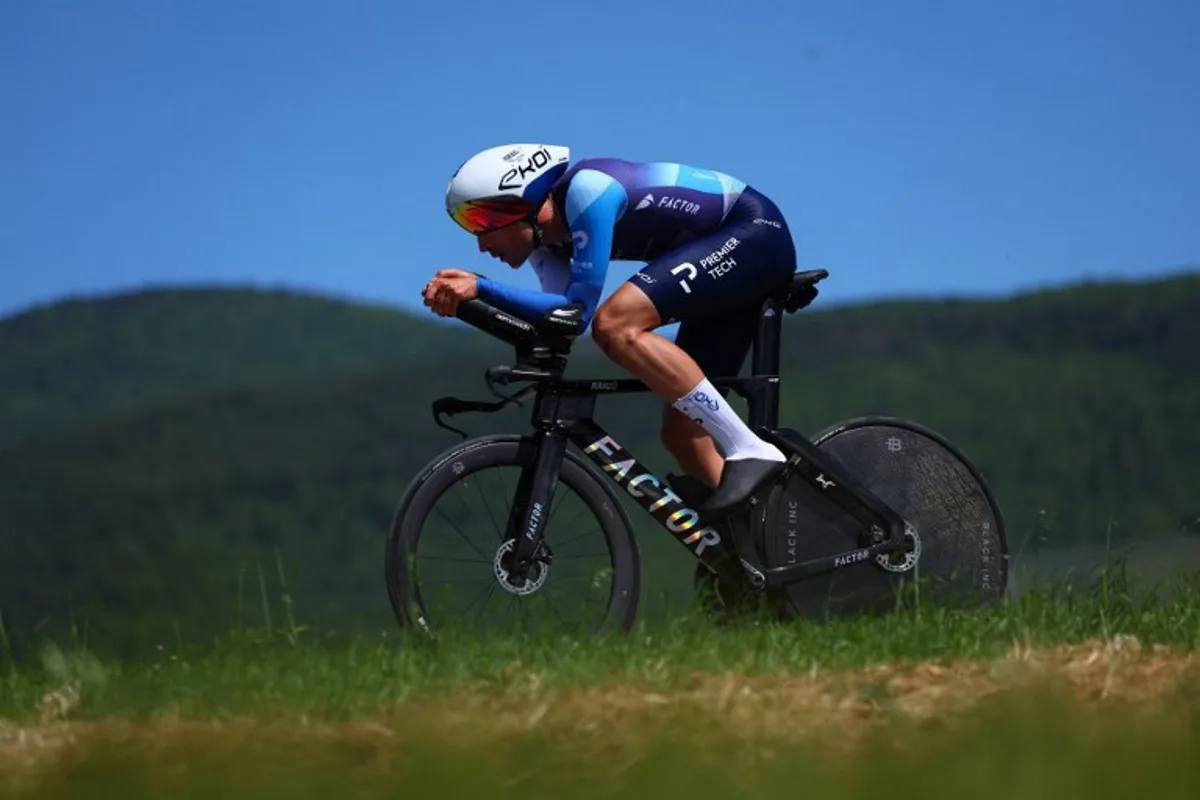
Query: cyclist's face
512,244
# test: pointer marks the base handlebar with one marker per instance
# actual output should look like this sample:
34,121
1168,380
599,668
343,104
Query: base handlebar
489,319
540,346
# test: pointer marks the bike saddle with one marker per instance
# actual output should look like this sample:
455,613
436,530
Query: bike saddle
803,289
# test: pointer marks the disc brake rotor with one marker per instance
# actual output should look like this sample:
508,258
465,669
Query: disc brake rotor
533,581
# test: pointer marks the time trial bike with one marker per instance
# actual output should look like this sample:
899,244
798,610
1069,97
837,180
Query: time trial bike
858,514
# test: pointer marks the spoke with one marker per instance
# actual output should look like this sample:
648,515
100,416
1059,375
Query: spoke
481,604
506,496
576,514
464,580
488,599
488,506
475,547
555,611
577,538
556,503
483,591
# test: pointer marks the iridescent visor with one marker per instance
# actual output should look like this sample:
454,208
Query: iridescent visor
478,216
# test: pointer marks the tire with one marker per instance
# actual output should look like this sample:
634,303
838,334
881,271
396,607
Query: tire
963,560
473,458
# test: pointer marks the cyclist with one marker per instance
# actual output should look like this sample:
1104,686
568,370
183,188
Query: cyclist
714,247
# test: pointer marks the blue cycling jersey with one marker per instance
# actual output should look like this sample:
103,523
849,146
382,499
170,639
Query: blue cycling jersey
617,210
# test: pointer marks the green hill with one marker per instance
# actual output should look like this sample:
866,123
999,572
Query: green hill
1153,319
93,358
1079,404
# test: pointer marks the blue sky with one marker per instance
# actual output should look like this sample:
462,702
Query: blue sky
916,147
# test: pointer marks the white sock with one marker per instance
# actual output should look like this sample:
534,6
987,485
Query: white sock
734,439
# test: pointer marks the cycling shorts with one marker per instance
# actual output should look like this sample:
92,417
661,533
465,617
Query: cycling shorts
714,285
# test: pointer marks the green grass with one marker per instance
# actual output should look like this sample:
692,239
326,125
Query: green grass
288,672
297,713
1028,747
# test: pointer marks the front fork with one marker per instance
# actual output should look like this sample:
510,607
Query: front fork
542,453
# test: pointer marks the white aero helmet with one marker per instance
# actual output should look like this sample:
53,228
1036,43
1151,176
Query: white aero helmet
503,185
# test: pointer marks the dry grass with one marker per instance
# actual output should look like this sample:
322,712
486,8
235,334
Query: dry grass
835,708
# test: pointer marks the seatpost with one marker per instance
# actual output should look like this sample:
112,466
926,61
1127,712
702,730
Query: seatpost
764,361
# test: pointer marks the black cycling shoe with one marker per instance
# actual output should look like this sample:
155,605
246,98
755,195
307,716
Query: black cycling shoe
739,479
692,491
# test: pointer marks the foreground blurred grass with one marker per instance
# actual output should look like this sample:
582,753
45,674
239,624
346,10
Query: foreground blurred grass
286,673
852,708
1032,746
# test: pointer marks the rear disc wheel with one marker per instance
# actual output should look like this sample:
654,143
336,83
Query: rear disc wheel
955,553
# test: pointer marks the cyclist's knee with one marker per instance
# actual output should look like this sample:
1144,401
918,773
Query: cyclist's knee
622,318
611,331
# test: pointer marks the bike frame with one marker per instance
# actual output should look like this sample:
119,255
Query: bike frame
562,413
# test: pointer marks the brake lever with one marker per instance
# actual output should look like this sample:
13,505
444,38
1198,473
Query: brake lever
440,424
453,405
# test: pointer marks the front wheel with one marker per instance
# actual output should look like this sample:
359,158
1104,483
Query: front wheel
447,562
957,552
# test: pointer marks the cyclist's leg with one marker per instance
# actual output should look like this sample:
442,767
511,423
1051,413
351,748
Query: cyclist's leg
726,271
719,346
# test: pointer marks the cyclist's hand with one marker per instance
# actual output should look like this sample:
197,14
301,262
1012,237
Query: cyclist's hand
449,288
453,272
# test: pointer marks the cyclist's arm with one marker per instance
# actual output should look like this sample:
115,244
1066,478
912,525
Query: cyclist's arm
594,203
553,273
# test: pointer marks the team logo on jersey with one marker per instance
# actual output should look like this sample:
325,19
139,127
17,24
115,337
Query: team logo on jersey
678,204
673,203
